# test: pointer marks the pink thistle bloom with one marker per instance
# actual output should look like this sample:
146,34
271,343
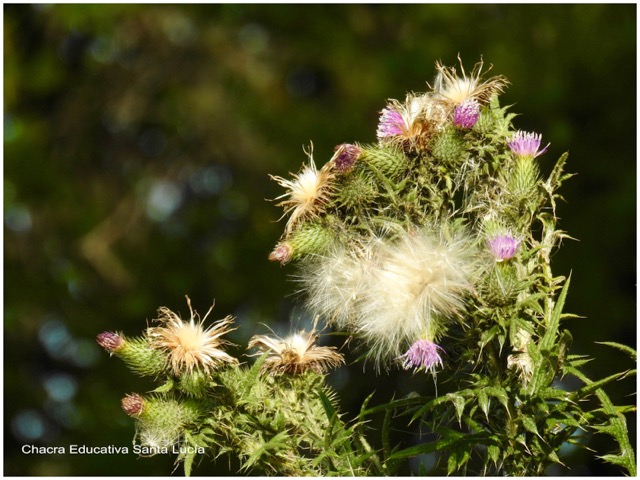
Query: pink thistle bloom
346,156
526,144
391,124
422,354
466,114
504,247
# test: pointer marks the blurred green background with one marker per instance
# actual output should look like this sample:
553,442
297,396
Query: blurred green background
138,140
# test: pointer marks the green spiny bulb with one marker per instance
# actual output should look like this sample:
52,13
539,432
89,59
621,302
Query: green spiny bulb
486,121
502,284
386,161
194,383
136,353
523,179
160,421
312,237
448,147
357,190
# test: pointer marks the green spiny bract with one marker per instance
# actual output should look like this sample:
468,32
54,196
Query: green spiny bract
387,163
141,357
448,147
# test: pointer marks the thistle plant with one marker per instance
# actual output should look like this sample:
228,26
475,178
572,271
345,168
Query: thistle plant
432,248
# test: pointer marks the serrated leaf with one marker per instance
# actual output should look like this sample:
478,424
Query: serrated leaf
277,442
458,403
483,402
623,348
529,424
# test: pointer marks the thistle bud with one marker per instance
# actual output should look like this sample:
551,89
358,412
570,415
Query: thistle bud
110,341
346,156
448,147
282,253
523,180
136,353
133,404
387,161
309,238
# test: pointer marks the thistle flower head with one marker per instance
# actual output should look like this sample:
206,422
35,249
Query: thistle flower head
306,193
411,122
110,341
526,144
423,354
455,89
391,123
466,114
296,354
346,156
503,247
188,345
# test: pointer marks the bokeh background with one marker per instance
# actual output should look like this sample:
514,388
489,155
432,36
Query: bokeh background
138,140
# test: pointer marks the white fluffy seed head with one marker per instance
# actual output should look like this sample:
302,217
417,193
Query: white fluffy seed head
396,291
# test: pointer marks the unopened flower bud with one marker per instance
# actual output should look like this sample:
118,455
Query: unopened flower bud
346,156
282,253
133,404
110,341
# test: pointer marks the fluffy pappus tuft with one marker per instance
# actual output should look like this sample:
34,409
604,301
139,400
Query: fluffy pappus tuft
188,345
307,192
296,354
455,89
392,292
418,285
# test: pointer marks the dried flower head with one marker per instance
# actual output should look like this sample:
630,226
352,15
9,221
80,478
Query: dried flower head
526,144
296,354
423,354
455,89
306,193
503,247
188,345
413,122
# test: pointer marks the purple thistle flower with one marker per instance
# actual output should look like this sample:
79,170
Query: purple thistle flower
526,144
466,114
504,247
346,156
422,354
391,124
